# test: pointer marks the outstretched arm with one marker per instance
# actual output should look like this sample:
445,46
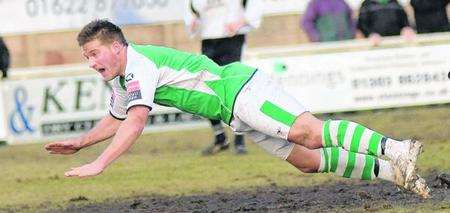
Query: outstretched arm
104,129
126,135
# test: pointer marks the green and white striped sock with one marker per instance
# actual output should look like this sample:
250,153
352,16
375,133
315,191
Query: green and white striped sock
354,137
354,165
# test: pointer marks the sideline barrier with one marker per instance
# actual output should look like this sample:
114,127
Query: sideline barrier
50,103
353,75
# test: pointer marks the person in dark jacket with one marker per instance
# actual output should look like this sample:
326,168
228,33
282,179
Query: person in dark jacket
383,18
4,58
431,16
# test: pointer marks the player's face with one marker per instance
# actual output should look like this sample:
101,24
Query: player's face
104,58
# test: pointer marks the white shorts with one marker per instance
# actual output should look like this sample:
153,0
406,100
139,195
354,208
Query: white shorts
265,112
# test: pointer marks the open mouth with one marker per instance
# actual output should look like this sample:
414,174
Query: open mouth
101,70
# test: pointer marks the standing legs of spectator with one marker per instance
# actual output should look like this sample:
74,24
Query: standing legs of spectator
220,141
224,51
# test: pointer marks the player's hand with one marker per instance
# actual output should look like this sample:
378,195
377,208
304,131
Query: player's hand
408,34
375,39
194,27
87,170
233,27
65,147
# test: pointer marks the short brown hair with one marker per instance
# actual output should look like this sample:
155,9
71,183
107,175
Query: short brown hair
103,30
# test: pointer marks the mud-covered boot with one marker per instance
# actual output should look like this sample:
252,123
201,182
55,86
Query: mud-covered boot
413,182
405,159
419,186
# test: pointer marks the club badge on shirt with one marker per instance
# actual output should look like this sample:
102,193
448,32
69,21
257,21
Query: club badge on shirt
133,91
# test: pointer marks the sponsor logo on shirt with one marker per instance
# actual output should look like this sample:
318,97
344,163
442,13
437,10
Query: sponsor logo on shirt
133,91
129,77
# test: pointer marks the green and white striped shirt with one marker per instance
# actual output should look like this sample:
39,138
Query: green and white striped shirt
192,83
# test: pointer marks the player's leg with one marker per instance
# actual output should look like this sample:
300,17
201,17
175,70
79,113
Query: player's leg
357,138
341,162
265,107
328,160
368,167
312,133
336,160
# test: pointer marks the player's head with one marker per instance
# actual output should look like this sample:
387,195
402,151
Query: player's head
104,46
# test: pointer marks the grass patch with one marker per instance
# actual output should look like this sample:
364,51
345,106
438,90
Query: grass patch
170,164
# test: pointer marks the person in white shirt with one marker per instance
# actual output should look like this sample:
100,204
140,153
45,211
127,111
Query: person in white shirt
222,25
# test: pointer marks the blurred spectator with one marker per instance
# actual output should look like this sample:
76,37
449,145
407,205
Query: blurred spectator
222,25
328,20
431,15
4,58
383,18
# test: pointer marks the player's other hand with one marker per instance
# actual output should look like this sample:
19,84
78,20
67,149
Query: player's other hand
65,147
87,170
408,34
375,39
194,28
233,27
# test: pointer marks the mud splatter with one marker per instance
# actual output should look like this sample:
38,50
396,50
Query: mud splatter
338,196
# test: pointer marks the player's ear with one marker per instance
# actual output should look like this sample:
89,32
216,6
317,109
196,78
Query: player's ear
116,46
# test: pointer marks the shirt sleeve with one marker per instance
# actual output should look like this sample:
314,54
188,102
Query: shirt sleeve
253,13
190,15
118,101
141,80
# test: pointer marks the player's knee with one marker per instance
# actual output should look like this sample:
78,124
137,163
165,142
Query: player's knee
313,141
304,159
306,131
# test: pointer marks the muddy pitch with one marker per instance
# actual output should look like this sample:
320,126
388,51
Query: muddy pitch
338,196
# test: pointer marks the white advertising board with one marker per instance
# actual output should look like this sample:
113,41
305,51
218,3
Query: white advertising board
364,79
52,108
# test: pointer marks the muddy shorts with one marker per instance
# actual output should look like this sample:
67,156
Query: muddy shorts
265,112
